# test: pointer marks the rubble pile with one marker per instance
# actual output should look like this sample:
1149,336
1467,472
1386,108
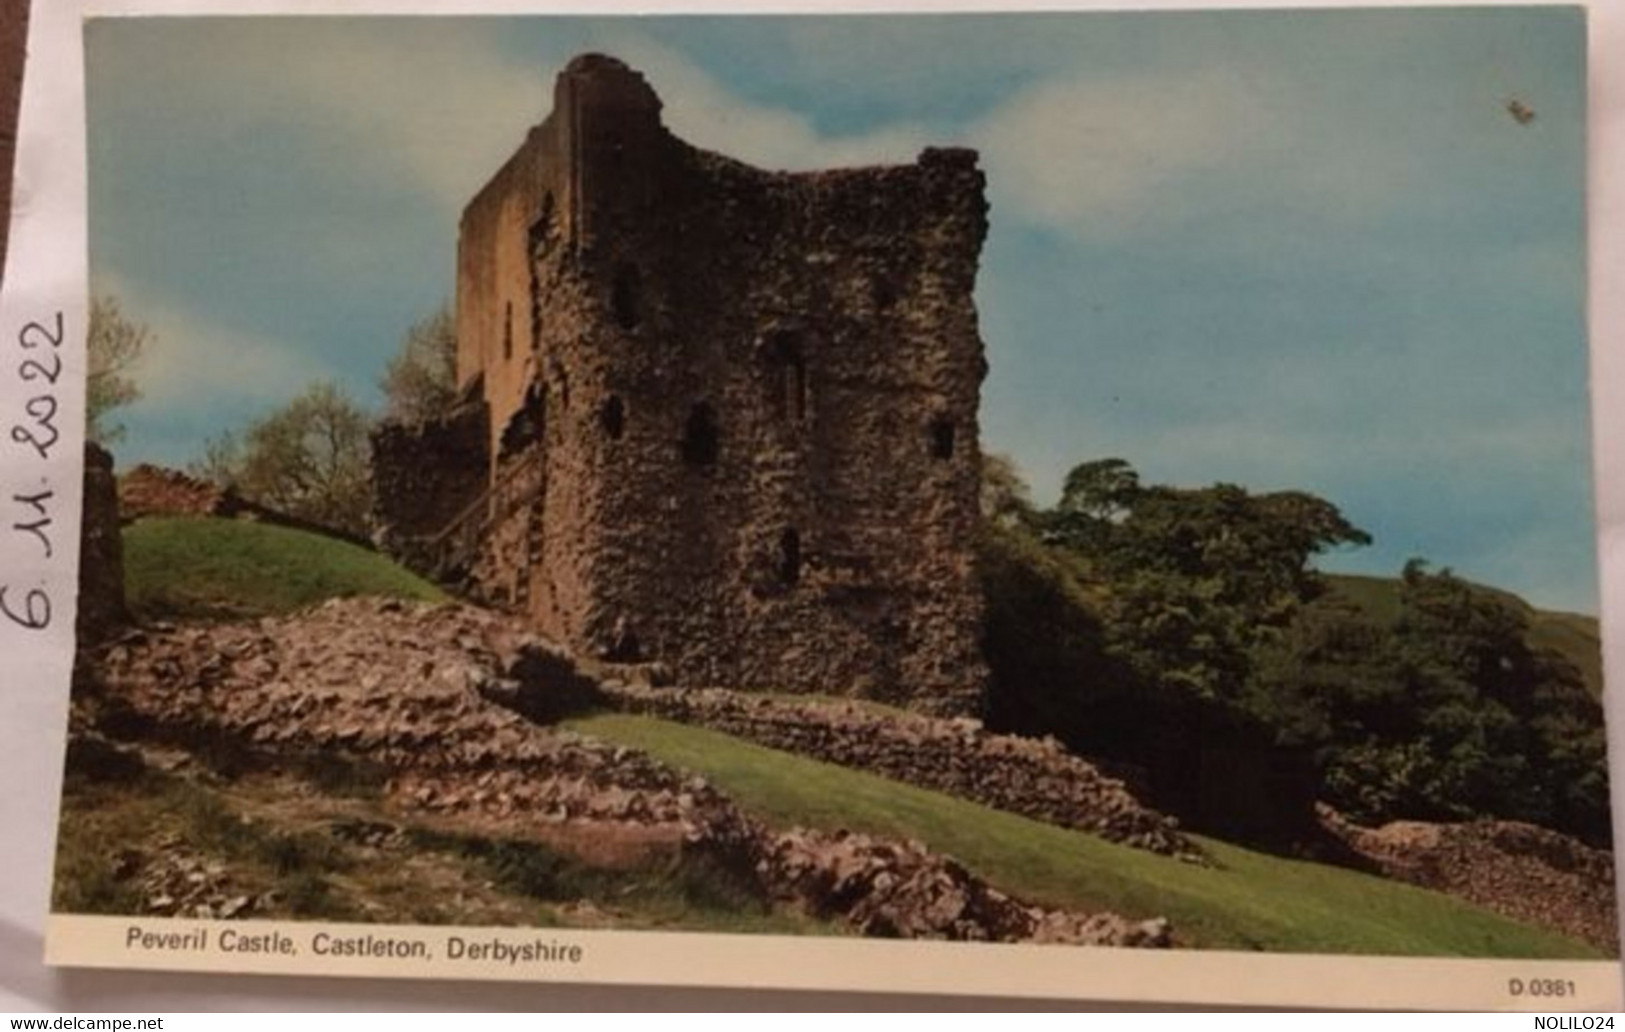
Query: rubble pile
408,687
1522,871
902,890
177,883
149,490
424,692
1033,777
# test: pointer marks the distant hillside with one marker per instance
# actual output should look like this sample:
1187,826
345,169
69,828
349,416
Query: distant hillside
1574,635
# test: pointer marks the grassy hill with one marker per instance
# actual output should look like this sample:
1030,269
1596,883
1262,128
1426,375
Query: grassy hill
1574,635
195,567
1253,901
214,568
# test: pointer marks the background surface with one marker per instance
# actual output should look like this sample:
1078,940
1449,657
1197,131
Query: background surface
31,760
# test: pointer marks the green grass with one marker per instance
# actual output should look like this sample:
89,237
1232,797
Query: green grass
680,891
1253,901
190,567
300,856
1573,635
141,812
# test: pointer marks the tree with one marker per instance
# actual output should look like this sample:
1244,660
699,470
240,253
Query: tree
1196,577
420,383
113,345
1442,710
1005,498
1100,490
309,459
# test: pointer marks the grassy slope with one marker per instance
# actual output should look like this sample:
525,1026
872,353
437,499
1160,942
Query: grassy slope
1574,635
1255,902
201,567
196,567
295,839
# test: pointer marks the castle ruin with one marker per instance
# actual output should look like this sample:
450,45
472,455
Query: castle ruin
713,417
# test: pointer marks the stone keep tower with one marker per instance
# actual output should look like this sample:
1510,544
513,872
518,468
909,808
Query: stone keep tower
728,417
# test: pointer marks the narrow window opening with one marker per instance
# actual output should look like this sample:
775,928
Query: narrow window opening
624,646
700,437
942,439
787,377
535,311
883,292
507,332
613,416
790,556
624,296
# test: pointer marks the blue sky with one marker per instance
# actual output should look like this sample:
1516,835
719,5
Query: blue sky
1301,249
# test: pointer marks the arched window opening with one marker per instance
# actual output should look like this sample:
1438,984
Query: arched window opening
942,438
624,296
700,437
613,417
787,377
790,556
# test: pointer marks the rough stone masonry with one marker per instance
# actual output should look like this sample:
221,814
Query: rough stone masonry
727,417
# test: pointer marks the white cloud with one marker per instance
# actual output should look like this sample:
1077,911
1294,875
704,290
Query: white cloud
193,361
702,111
1097,155
1087,154
436,106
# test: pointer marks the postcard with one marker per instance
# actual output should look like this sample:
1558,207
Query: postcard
1065,504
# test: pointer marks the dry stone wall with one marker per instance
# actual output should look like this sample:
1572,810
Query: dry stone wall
1032,777
1525,872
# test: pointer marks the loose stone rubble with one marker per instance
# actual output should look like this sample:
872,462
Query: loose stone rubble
175,882
149,490
1032,777
902,890
1525,872
415,689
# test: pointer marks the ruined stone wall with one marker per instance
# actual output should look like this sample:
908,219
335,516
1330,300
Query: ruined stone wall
1033,777
753,396
101,550
149,490
425,476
